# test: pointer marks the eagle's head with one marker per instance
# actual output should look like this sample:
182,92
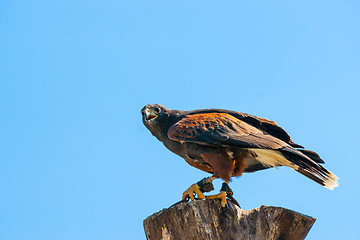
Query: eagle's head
155,118
153,113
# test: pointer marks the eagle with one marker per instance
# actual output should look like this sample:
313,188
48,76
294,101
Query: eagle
227,144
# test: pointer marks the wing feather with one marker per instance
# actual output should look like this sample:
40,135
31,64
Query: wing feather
221,128
264,124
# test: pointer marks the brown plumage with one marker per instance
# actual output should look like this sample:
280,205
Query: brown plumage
228,143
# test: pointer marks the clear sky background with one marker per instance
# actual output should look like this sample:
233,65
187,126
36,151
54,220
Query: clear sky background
76,161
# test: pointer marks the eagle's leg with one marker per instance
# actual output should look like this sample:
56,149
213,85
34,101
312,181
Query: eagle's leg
204,185
224,191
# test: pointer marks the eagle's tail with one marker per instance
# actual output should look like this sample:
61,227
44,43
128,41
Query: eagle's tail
309,168
304,164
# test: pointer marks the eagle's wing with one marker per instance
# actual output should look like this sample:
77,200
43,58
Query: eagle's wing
222,128
260,123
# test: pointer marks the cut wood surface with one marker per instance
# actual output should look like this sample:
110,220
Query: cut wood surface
205,220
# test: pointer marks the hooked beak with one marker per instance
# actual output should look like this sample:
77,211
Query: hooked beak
149,114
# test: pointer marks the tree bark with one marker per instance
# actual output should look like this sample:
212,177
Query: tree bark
206,220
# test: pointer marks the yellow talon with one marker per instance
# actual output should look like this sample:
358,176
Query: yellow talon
191,190
221,195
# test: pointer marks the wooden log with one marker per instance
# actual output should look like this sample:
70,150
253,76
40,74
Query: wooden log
205,220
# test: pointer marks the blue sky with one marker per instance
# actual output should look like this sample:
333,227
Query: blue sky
76,161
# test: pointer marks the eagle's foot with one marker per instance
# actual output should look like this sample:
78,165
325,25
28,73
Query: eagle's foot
224,192
205,185
192,191
221,195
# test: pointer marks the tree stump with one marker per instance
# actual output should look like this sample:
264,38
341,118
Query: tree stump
206,220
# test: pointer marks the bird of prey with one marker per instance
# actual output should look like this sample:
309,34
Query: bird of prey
227,144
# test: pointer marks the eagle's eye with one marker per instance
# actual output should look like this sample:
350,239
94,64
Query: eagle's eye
157,110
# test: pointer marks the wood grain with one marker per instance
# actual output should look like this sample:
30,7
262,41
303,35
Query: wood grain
205,220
